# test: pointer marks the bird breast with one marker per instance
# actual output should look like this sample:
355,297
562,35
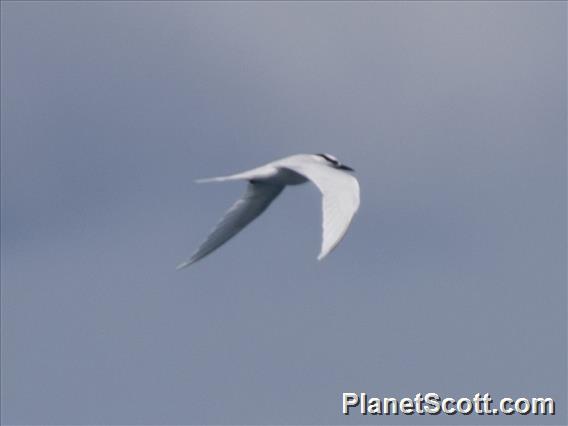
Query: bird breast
285,177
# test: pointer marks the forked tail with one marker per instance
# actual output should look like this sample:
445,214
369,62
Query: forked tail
238,176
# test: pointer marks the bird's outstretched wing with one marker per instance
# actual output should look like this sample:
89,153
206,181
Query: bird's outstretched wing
340,200
255,200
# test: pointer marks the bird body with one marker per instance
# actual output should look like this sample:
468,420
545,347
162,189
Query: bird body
340,193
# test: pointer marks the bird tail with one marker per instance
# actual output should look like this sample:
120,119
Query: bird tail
238,176
213,179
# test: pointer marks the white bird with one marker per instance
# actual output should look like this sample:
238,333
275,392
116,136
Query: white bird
339,189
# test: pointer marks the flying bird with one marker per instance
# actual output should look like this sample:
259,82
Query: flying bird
339,189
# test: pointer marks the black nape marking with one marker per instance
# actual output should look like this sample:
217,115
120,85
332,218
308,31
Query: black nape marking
331,160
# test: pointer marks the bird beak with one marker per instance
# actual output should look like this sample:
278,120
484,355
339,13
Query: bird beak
344,167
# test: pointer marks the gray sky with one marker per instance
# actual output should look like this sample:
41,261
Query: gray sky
451,279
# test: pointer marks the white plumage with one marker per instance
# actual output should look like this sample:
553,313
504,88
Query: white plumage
340,198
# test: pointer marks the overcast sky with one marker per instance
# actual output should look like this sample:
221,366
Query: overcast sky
451,279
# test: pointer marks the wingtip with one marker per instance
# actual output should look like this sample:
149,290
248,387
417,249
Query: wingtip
183,265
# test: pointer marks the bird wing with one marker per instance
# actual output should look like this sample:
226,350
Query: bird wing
340,201
255,200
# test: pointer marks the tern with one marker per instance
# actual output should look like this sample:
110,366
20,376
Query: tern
339,189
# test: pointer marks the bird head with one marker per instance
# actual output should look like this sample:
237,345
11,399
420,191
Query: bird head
331,161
